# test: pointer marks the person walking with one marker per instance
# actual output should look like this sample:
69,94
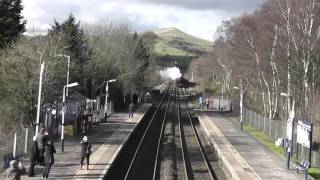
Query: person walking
131,110
85,151
200,102
34,152
15,171
207,102
48,158
41,141
134,98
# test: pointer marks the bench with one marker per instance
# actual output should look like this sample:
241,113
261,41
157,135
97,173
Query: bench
303,166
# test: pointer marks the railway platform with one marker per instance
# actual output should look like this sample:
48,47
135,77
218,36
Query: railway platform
107,140
246,156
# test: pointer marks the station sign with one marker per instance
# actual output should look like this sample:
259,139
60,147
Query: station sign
304,134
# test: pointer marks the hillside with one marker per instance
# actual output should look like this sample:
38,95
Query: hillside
173,42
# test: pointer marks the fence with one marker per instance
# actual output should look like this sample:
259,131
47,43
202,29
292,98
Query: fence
276,129
16,144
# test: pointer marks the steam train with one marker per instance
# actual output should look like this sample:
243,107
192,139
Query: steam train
184,83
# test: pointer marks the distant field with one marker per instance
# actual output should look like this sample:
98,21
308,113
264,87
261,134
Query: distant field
163,49
173,42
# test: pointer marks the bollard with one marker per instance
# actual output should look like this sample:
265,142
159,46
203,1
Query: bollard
254,119
264,124
306,174
14,145
276,131
259,122
270,127
26,142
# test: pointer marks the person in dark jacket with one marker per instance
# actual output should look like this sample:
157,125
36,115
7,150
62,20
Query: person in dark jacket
15,170
135,98
131,110
48,158
42,141
85,151
34,152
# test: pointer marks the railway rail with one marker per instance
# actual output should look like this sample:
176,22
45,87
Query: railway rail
168,148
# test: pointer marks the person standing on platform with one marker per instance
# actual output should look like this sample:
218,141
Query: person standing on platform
48,158
85,151
207,102
34,153
41,141
135,98
131,110
200,102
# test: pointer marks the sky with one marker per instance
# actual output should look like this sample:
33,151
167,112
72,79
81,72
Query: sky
199,18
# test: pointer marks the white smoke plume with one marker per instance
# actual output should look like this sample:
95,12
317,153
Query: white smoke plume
170,73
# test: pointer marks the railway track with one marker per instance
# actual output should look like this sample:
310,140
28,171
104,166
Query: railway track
169,147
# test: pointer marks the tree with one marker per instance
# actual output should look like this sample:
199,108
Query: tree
11,21
276,49
73,44
19,72
117,53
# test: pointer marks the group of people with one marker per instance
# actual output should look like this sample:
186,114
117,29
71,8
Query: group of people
42,153
203,102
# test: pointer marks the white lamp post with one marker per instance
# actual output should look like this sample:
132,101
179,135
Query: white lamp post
106,101
68,58
39,97
64,110
290,123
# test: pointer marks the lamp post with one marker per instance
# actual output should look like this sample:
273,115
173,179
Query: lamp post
68,58
241,105
106,101
39,97
221,103
64,110
290,129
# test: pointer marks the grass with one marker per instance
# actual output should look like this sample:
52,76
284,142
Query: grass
314,172
264,139
163,48
267,141
177,43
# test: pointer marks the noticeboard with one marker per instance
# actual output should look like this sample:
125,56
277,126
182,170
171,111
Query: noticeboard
303,134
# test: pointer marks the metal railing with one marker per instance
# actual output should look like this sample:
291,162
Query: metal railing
276,129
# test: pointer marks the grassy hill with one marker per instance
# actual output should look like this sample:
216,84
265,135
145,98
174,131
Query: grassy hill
173,42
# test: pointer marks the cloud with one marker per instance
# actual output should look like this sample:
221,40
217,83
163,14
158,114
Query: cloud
221,5
198,17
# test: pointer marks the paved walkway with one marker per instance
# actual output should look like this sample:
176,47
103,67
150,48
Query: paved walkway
107,139
248,157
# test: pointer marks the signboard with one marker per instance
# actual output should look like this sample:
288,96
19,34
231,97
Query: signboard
289,126
91,100
303,134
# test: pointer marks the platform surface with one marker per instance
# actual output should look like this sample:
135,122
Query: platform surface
248,157
107,139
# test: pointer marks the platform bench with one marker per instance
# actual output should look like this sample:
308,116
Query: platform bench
303,166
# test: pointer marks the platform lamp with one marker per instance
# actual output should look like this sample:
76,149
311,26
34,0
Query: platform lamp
64,110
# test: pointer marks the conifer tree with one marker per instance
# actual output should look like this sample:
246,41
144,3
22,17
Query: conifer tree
11,21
